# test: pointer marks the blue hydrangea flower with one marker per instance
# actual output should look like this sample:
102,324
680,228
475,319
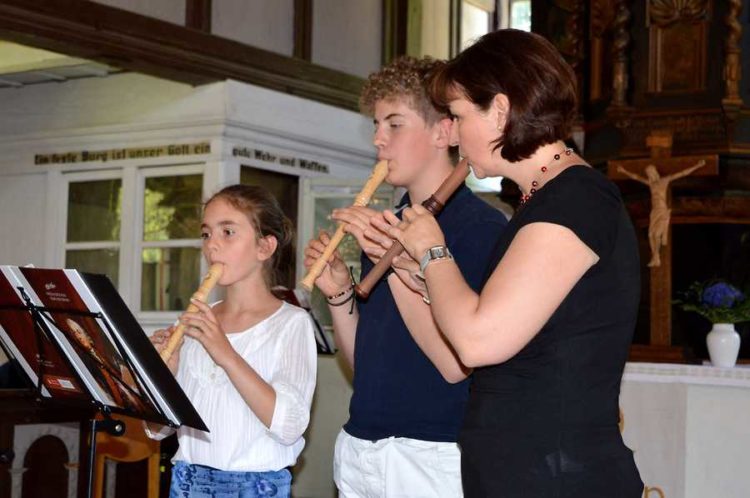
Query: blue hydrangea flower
721,295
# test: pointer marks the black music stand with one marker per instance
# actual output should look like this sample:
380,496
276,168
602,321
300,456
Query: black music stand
78,343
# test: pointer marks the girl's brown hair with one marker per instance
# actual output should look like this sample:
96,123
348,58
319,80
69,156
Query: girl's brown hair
528,69
266,217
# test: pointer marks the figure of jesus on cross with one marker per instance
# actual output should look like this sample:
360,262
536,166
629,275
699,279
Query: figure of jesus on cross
658,227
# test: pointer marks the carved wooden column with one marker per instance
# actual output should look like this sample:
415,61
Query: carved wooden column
732,101
600,23
620,48
571,45
619,110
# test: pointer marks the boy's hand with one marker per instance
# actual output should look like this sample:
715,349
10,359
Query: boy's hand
335,276
357,221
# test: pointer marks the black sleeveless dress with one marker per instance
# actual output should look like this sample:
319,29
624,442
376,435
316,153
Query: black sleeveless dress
544,424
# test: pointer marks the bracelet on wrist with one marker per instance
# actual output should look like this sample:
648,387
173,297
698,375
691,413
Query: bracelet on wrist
350,297
333,300
339,294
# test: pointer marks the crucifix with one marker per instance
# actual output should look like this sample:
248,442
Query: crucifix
658,223
659,172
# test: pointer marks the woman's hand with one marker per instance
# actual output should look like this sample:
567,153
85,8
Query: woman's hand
335,276
420,232
205,328
406,267
159,339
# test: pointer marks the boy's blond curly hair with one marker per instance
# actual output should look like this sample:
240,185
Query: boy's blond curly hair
404,78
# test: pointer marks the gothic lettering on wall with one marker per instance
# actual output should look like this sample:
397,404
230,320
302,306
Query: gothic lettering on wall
85,156
269,157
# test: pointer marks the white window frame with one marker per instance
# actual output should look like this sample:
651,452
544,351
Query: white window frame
131,242
312,189
80,177
137,244
504,7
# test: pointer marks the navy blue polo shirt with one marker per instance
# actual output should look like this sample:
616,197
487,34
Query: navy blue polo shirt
397,390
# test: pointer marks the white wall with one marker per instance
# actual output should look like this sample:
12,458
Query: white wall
313,475
22,219
687,427
167,10
717,454
267,24
347,35
120,99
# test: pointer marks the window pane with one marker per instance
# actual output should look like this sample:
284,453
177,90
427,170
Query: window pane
475,22
348,248
104,261
520,14
169,277
285,188
435,30
172,207
94,211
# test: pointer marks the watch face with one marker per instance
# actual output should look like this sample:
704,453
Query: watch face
433,253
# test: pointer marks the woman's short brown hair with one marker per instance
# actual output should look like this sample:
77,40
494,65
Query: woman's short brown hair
528,69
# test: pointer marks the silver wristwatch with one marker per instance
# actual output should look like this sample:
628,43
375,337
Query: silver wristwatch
432,254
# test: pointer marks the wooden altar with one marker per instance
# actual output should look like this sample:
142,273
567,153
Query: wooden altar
20,409
654,69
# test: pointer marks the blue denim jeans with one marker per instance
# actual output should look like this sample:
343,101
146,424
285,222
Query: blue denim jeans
199,481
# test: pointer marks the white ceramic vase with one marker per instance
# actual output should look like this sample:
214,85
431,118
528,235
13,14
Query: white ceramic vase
723,345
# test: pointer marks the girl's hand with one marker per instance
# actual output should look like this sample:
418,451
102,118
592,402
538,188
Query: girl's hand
205,328
335,275
159,339
420,234
357,221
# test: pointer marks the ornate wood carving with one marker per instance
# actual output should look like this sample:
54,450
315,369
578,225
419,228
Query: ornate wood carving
732,100
678,39
602,15
600,23
620,48
571,43
694,131
664,13
691,210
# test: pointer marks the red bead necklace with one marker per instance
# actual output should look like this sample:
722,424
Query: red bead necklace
534,184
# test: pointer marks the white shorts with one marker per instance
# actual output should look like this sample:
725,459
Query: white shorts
396,467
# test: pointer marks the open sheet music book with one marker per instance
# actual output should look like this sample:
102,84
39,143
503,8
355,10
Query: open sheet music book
95,350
